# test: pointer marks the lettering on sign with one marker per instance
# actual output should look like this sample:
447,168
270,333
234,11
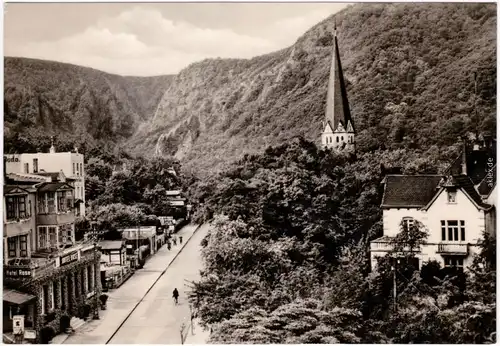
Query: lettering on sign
30,334
11,159
18,324
72,257
18,272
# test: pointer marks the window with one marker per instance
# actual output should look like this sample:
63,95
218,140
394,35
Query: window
73,169
52,295
23,246
16,207
61,201
452,196
26,168
450,261
89,280
11,244
21,203
69,200
11,208
42,237
408,222
77,169
45,299
52,236
81,168
342,138
51,204
35,165
450,231
337,139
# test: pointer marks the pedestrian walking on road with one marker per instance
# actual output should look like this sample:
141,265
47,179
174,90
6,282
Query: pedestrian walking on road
175,294
174,240
180,240
169,246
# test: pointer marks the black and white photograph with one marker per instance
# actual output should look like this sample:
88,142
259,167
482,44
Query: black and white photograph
249,173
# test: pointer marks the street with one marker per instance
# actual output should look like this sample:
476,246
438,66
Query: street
142,311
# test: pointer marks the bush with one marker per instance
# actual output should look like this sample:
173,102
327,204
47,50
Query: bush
65,322
47,334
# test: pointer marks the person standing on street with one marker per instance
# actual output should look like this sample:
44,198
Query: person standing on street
175,295
180,240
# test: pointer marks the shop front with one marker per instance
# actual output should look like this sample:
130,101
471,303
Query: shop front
45,289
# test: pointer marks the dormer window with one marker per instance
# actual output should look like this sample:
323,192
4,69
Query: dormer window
452,196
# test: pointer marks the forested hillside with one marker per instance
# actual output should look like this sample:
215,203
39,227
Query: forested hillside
410,83
409,68
43,98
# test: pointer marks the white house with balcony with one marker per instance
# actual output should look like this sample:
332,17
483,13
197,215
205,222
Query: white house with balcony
449,207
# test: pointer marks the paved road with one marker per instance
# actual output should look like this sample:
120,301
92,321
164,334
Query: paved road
156,319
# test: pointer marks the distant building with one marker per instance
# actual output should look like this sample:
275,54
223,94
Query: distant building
338,128
50,164
455,208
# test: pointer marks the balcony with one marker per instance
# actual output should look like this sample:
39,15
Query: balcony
385,244
13,228
56,218
453,249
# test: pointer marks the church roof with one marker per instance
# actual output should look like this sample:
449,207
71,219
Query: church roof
337,105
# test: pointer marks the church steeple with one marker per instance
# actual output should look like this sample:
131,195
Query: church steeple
338,132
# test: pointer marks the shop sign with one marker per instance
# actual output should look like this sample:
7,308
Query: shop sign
18,324
69,258
17,272
30,334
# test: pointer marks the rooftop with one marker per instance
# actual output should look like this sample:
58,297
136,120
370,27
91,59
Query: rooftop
409,191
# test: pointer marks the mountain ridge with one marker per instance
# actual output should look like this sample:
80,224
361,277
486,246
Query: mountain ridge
408,71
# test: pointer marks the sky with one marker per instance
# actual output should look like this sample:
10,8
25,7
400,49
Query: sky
147,39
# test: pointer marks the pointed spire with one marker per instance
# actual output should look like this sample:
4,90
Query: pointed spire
337,105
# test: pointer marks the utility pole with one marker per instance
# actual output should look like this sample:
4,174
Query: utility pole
394,284
181,329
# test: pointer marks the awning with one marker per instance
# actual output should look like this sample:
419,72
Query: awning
16,297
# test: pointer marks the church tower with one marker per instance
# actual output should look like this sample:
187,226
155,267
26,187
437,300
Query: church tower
338,128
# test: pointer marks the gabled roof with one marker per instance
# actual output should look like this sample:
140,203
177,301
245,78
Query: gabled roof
14,190
409,191
337,105
464,183
52,187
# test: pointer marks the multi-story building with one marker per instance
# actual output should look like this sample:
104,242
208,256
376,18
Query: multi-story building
455,209
70,163
46,272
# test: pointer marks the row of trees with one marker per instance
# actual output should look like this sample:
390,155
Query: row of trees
288,261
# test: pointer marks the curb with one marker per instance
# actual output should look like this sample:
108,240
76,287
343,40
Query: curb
151,287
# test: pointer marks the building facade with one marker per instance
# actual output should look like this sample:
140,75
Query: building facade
70,163
47,274
455,209
338,129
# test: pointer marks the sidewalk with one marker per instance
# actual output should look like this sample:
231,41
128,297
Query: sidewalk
122,301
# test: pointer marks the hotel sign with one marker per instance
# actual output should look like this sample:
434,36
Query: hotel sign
17,272
69,258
